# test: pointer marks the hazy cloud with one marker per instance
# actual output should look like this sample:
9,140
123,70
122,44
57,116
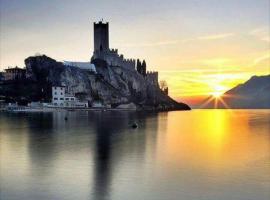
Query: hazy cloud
262,58
216,37
172,42
262,33
160,43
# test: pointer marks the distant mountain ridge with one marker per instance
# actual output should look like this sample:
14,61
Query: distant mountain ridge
253,94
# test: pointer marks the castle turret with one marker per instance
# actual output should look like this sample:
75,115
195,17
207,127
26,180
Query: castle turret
152,77
101,36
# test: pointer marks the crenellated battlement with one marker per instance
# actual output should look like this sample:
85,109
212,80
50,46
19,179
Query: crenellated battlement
152,77
114,59
101,23
114,51
151,72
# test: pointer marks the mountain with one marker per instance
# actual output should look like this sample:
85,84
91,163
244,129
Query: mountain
254,93
113,85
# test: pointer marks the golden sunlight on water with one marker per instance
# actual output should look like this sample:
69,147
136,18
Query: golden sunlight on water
214,136
213,150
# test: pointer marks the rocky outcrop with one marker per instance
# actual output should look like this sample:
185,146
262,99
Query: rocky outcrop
112,85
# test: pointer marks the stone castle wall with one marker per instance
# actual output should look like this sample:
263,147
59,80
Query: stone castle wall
114,59
152,77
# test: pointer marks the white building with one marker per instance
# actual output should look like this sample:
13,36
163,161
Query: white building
58,96
61,99
82,65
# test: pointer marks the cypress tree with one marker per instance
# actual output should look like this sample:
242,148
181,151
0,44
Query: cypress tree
144,68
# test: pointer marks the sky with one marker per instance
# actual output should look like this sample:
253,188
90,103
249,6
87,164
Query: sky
198,47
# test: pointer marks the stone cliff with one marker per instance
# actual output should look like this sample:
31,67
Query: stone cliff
112,85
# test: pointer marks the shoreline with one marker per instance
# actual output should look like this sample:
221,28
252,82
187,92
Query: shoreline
44,110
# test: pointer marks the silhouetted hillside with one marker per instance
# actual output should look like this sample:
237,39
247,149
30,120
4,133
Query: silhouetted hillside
254,93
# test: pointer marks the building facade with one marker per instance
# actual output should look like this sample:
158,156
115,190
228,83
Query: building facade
62,99
14,73
58,95
2,77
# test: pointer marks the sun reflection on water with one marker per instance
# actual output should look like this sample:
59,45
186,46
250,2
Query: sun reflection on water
212,139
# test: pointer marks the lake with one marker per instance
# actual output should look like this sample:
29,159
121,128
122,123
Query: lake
198,154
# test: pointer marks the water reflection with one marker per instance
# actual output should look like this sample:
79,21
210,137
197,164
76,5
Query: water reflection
41,144
96,155
105,128
53,145
112,130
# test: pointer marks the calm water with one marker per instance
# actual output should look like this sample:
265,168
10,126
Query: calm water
199,154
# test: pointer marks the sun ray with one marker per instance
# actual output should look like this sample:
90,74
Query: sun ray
206,102
223,103
216,103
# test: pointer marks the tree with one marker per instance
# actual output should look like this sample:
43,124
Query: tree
163,85
143,68
139,66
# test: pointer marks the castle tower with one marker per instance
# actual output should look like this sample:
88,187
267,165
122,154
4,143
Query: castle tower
101,36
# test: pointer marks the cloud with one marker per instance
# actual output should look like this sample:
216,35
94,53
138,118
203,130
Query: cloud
258,30
261,59
266,39
262,33
216,37
160,43
172,42
217,61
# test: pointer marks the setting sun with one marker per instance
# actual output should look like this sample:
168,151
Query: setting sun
217,94
218,91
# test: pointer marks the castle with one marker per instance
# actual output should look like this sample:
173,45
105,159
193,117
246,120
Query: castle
111,56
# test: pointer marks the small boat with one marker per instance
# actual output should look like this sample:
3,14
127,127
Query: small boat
134,125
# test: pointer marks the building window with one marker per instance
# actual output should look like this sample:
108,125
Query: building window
67,99
72,99
61,93
61,98
55,88
55,98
